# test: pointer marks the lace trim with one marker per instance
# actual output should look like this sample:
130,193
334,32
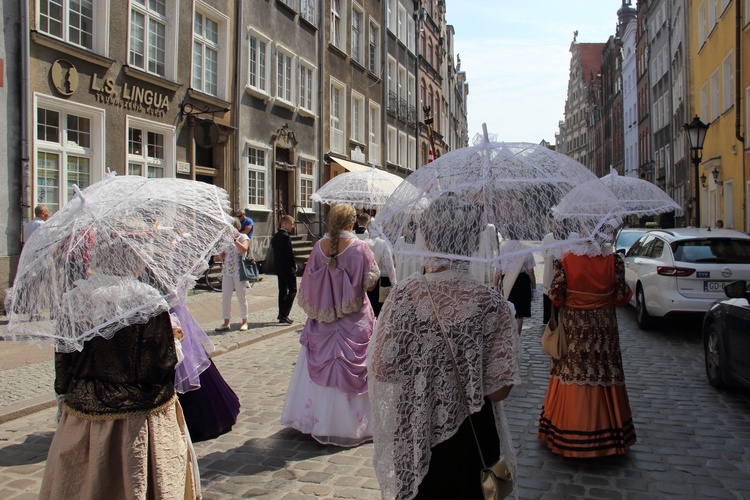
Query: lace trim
331,314
99,417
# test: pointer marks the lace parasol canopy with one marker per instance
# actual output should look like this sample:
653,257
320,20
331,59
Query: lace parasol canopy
365,189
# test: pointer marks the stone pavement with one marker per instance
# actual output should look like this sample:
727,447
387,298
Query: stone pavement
693,441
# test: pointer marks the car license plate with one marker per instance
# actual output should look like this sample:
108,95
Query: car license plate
713,286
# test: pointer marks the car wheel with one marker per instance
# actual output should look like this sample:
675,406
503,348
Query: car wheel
645,321
714,358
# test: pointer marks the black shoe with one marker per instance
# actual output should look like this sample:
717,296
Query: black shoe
287,320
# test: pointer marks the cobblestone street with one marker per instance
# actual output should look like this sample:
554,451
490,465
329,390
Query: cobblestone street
693,441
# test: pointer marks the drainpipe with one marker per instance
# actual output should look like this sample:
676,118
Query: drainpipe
239,90
321,96
26,180
738,101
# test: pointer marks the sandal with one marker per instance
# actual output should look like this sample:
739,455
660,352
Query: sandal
243,327
222,328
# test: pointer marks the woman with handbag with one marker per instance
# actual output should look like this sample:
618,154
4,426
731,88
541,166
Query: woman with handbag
230,279
429,419
327,396
586,412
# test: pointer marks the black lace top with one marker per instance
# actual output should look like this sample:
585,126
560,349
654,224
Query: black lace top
131,373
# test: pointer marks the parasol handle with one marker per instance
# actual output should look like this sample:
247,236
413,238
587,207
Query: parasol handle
485,134
79,194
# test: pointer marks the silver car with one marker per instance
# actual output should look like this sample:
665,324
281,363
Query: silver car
677,271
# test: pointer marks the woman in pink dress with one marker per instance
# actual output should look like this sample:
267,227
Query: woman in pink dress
327,396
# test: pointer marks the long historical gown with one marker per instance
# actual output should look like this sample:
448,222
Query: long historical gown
327,396
586,411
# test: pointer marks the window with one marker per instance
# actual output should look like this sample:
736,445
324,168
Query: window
704,102
410,29
701,24
712,6
209,50
392,145
74,21
307,10
336,23
290,3
402,83
392,84
307,86
392,14
150,34
728,80
256,177
402,149
358,118
69,142
306,182
374,49
284,75
412,154
402,23
411,85
373,147
724,5
714,87
729,204
151,148
338,116
258,67
357,36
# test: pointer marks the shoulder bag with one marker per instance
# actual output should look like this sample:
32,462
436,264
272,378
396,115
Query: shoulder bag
248,269
497,481
554,342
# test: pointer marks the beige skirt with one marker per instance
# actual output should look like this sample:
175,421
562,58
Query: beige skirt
145,457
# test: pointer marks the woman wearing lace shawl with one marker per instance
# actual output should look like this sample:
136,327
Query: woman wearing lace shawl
327,396
424,445
586,412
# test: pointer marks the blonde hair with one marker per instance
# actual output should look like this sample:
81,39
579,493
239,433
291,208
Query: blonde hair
340,217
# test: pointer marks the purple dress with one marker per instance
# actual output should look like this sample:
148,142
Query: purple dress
327,395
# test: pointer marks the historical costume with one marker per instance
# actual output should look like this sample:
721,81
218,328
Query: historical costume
327,395
586,412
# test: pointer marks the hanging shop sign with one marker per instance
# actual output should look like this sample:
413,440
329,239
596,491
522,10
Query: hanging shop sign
130,97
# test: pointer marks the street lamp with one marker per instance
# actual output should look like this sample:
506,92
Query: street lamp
696,131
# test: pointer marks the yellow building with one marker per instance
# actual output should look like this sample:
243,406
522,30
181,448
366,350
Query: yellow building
713,60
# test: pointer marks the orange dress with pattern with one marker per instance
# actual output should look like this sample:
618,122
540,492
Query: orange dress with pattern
586,412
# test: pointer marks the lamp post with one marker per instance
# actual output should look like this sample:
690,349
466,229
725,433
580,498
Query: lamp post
696,131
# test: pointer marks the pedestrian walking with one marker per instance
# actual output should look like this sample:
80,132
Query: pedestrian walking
327,396
586,412
41,214
425,445
230,279
286,267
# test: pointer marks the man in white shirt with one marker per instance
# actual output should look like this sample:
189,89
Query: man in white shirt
41,214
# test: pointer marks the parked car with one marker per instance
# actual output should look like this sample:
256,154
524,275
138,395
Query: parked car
678,271
726,338
626,237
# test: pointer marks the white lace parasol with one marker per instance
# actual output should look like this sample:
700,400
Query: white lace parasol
508,187
638,196
156,232
366,189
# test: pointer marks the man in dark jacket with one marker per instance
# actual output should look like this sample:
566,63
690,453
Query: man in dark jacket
286,267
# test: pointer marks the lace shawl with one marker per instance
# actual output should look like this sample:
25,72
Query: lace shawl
416,404
329,294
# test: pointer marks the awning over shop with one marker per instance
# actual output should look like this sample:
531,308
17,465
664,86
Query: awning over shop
349,165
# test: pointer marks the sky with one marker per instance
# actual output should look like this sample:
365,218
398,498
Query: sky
516,55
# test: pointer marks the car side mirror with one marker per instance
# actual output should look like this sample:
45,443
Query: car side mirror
621,251
736,289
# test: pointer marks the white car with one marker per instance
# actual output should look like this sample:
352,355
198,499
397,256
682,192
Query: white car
677,271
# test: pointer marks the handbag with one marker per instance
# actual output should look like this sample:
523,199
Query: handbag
496,480
249,270
383,291
554,342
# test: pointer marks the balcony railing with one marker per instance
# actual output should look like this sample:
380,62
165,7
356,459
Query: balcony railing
393,103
